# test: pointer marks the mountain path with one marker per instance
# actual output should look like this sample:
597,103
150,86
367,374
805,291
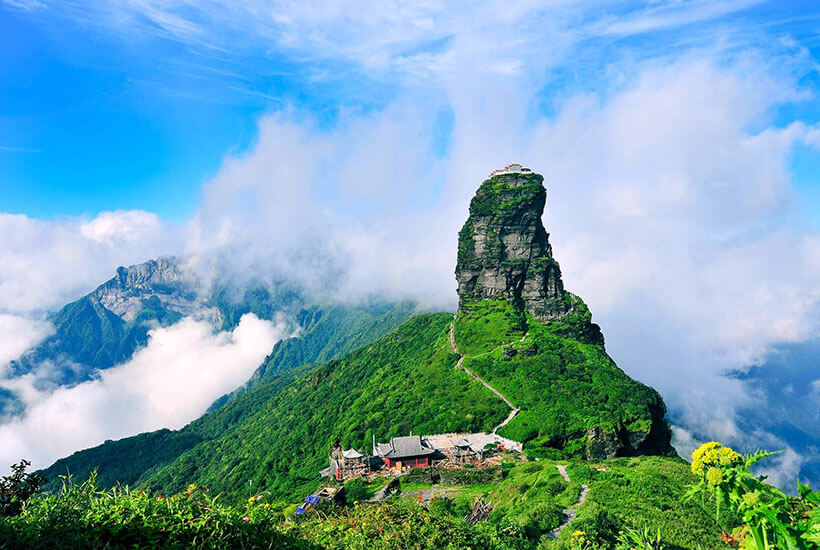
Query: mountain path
569,513
460,365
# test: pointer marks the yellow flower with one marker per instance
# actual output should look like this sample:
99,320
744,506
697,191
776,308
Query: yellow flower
713,454
714,476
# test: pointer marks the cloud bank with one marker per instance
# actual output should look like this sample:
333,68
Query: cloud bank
44,264
166,384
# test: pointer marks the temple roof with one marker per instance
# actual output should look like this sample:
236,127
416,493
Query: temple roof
407,446
352,453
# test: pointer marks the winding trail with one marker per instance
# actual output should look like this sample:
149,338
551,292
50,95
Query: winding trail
460,365
569,513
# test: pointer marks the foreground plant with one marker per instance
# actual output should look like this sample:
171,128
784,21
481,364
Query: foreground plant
644,539
17,488
770,518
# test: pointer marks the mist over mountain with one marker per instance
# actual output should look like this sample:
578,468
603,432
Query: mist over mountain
158,344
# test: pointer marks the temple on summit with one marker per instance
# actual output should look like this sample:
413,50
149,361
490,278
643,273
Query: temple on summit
513,168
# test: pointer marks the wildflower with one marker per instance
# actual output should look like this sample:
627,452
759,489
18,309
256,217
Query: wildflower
713,454
714,476
750,499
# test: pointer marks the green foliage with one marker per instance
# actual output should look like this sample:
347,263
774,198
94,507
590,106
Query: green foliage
357,490
123,461
484,325
466,244
332,331
400,526
496,196
470,476
640,539
17,488
329,332
81,516
577,324
642,493
769,518
563,387
595,528
532,496
404,382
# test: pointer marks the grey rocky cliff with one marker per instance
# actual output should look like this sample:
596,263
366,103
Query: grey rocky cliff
504,250
164,282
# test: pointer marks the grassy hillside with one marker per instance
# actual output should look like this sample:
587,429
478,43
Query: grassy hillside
329,332
277,435
562,379
637,493
404,382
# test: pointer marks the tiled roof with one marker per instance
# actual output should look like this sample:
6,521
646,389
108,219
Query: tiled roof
407,446
352,453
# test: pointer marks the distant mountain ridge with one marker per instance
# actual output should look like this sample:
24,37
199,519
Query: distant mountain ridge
105,327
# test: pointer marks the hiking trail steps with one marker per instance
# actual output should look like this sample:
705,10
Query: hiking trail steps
460,365
569,513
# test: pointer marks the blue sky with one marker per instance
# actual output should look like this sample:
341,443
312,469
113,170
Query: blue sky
115,108
338,143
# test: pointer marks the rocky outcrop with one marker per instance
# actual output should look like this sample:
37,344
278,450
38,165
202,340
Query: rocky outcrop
163,282
642,437
504,250
601,444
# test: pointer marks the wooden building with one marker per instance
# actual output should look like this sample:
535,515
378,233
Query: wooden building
405,452
348,464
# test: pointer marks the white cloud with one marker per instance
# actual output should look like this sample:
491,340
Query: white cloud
44,264
171,381
18,335
122,227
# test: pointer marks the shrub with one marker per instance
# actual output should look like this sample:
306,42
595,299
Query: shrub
471,476
357,490
17,488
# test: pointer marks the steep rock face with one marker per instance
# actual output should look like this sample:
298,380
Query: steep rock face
520,329
106,326
504,250
164,282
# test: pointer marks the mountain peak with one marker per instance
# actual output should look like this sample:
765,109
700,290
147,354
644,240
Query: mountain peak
504,250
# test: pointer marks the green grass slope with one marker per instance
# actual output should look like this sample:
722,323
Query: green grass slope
404,382
126,460
624,493
562,379
328,332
